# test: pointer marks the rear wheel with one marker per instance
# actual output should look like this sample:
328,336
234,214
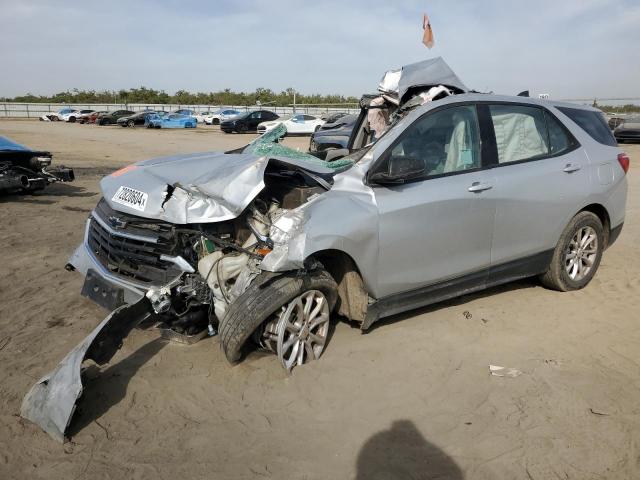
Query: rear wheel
288,315
577,255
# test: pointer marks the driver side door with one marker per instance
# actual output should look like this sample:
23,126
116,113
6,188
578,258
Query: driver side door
435,229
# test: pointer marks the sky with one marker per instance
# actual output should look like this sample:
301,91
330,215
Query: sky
567,48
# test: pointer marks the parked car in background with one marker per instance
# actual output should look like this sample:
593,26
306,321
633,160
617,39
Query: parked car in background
172,120
247,122
140,118
299,124
331,117
614,121
264,127
332,136
628,130
74,116
221,115
57,116
91,117
110,118
186,111
26,171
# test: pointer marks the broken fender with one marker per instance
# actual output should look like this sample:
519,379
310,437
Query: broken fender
51,402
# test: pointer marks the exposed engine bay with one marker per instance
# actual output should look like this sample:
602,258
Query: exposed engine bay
217,260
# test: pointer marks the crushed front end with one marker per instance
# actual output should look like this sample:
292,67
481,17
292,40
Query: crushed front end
161,245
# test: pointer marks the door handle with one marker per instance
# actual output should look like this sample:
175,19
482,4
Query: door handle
570,167
479,187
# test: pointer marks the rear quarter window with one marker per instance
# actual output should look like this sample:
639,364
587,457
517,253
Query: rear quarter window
593,123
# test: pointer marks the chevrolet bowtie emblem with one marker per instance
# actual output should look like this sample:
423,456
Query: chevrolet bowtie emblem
115,222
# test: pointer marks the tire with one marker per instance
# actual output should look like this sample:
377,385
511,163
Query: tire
55,119
131,124
557,277
262,299
72,119
242,128
215,121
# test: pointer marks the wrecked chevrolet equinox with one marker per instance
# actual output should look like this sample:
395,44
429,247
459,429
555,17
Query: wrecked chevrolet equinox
264,244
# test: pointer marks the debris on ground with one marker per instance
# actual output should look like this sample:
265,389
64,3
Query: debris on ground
498,371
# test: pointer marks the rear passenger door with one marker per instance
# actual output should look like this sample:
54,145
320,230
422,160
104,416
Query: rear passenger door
540,179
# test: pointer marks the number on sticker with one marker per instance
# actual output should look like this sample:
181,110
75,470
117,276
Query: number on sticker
131,198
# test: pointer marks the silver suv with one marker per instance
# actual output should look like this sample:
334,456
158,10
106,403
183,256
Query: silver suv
459,195
265,244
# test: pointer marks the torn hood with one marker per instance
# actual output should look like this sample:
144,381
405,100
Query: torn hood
195,188
431,72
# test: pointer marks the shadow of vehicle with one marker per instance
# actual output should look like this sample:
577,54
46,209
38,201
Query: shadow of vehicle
525,283
103,390
55,190
402,452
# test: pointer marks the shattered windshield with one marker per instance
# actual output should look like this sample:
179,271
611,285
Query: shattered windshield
267,146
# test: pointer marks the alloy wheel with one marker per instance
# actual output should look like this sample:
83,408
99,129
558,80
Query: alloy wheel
581,253
302,329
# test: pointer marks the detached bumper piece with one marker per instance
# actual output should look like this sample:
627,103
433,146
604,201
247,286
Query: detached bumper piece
51,402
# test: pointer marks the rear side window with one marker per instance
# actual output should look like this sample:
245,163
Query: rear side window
593,123
560,140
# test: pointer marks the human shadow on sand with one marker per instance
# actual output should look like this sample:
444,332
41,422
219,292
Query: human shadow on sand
401,452
104,389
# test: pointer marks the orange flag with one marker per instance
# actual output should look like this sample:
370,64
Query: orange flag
427,38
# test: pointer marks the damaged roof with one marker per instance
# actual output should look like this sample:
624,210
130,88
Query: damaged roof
434,71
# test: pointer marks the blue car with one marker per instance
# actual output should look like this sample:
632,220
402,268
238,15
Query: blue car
174,120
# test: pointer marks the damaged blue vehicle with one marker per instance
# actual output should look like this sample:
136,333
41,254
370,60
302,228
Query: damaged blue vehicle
443,192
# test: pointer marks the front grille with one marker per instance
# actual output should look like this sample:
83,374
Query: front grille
124,244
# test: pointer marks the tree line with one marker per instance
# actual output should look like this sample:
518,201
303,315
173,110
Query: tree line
183,97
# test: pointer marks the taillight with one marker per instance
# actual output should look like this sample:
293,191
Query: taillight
623,160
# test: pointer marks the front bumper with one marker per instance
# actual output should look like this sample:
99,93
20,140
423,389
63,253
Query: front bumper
84,261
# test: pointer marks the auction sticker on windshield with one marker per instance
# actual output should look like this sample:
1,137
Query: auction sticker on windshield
131,198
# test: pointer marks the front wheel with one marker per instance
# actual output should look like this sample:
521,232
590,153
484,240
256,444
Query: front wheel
577,255
288,315
131,124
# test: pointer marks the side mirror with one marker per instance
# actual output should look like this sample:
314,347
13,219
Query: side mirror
335,153
399,169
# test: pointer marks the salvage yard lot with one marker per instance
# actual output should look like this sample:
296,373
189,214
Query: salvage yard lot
411,396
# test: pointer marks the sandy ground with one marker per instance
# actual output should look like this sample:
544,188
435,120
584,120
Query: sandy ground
410,399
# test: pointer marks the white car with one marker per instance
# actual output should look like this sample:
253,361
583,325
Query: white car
300,124
74,115
219,116
57,116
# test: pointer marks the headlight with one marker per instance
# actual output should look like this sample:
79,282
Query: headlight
38,163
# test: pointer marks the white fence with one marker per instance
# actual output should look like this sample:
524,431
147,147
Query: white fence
35,110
